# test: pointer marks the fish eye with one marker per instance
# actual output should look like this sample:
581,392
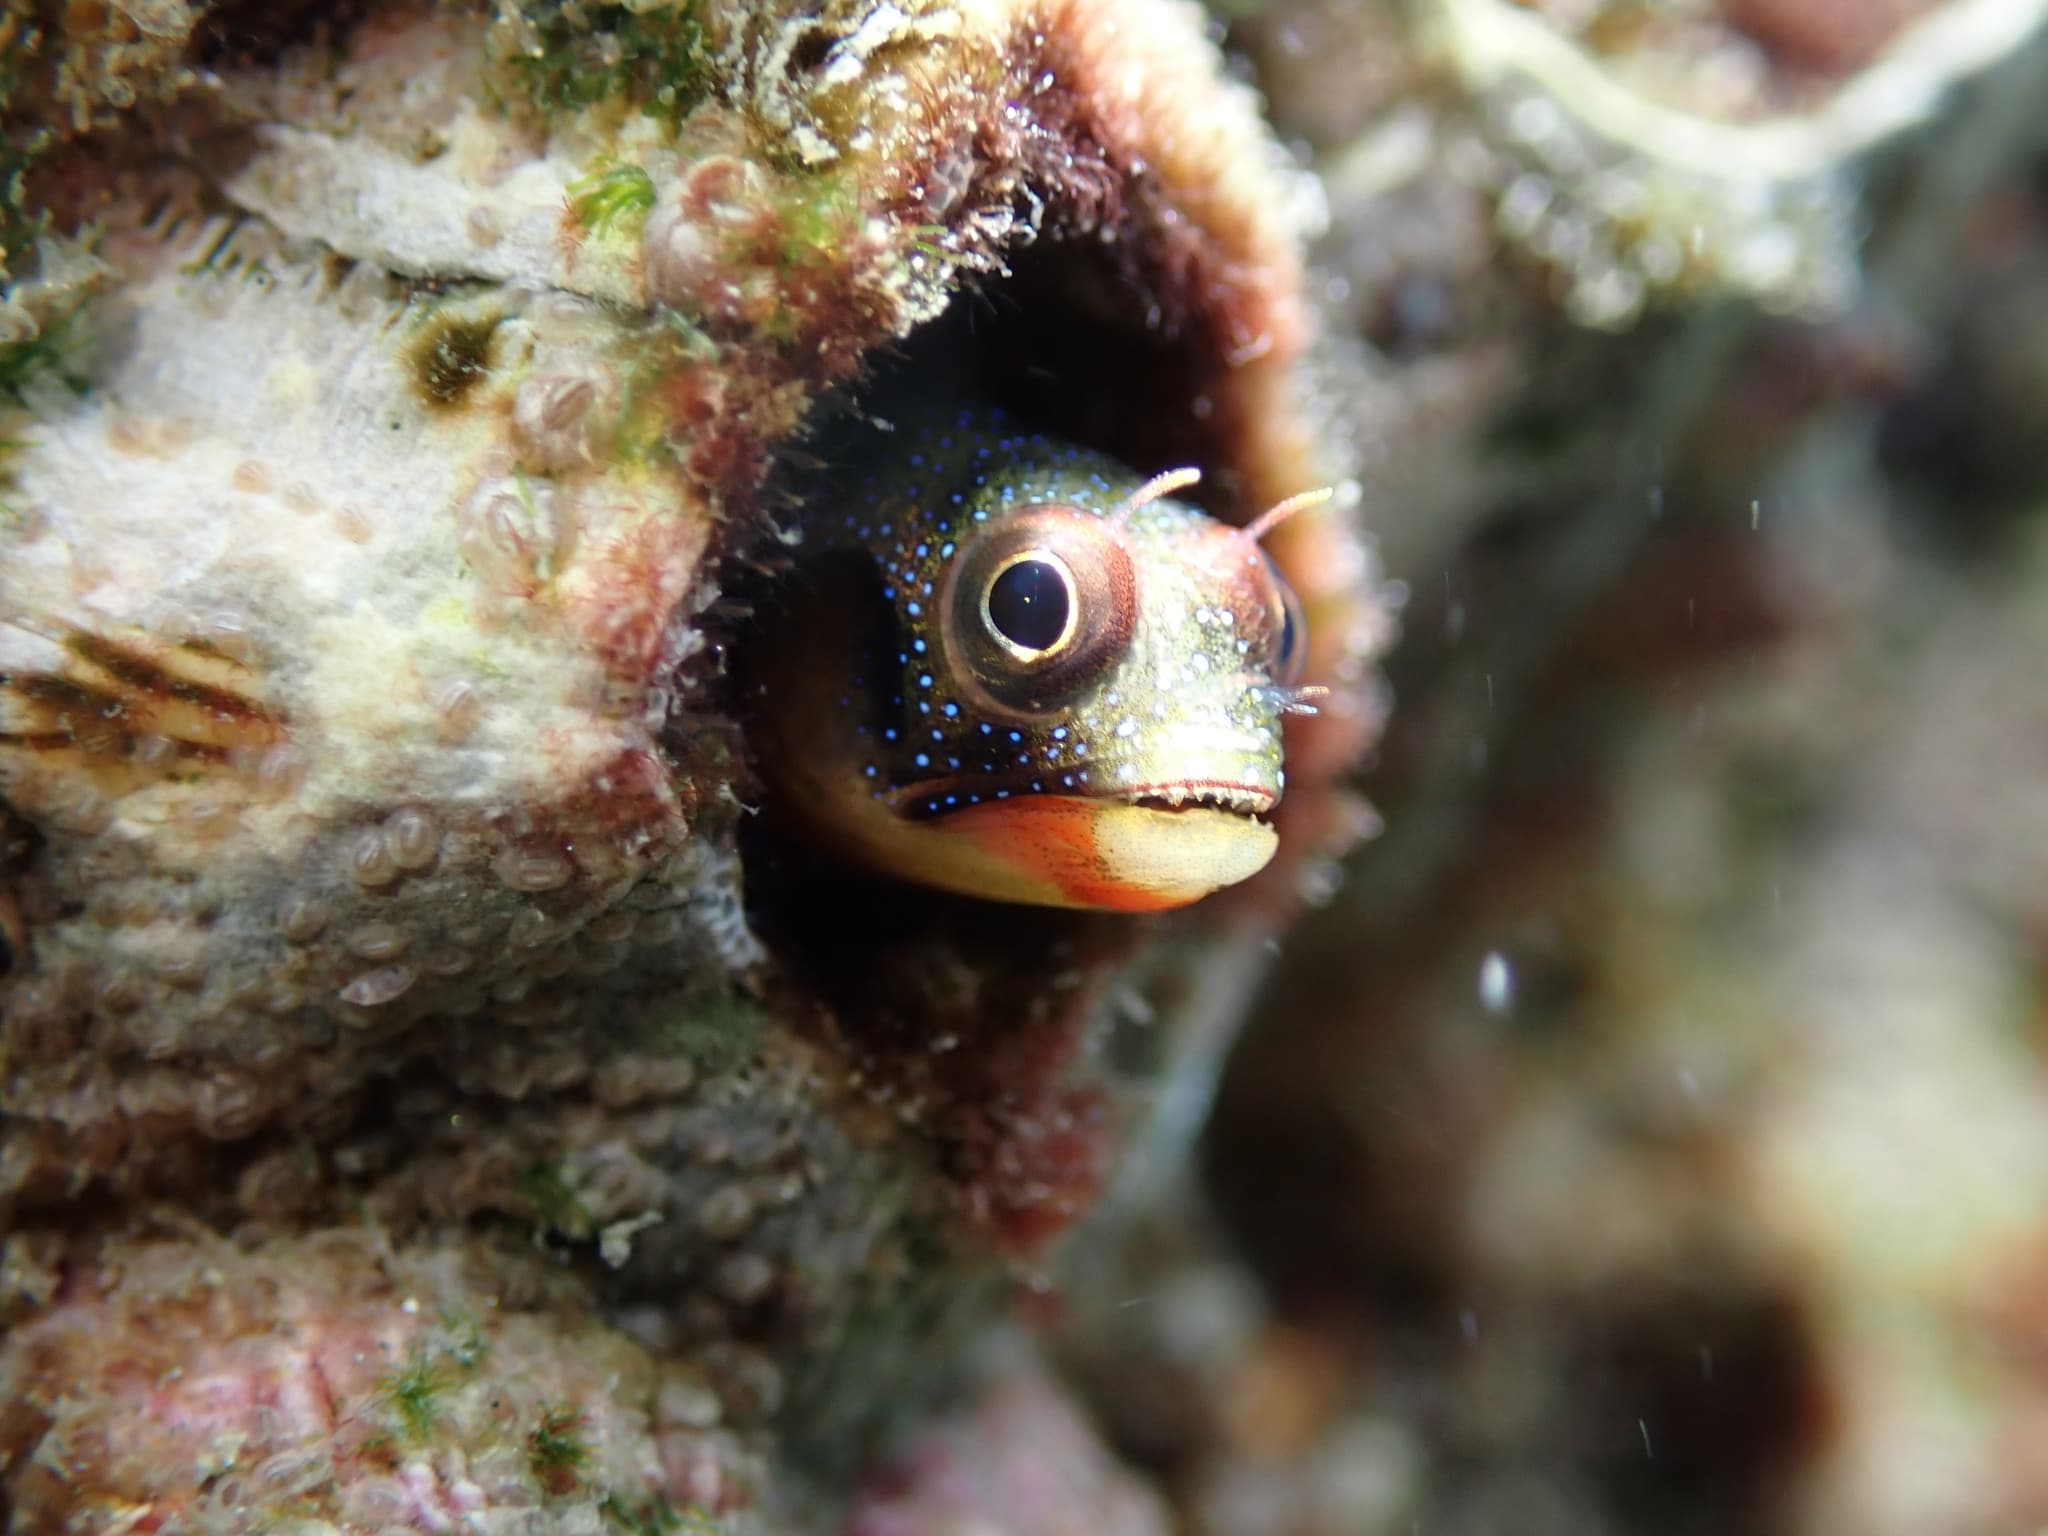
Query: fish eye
1030,605
1037,608
1289,630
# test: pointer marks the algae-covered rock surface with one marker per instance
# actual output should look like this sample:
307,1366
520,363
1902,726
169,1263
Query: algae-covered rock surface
392,397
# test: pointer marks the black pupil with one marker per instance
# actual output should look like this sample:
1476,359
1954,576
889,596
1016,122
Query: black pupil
1028,605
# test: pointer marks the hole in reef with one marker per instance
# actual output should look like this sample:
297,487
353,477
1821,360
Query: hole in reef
247,33
934,988
1072,345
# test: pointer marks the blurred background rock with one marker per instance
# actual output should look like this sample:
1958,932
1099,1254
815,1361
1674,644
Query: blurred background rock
1650,1135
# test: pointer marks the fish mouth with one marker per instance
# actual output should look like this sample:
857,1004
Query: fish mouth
935,799
1197,795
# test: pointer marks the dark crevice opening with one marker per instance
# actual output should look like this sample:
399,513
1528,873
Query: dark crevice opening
971,1007
1071,343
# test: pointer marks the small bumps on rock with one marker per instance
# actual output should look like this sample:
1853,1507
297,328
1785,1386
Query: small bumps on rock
406,842
275,771
300,918
412,837
516,531
373,989
453,1378
378,941
369,859
534,868
689,238
561,415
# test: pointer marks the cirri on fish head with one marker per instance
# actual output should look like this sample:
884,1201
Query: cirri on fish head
1013,668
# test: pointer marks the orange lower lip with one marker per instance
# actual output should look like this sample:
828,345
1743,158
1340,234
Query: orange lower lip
1112,854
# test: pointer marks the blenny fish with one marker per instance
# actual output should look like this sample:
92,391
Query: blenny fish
1011,667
